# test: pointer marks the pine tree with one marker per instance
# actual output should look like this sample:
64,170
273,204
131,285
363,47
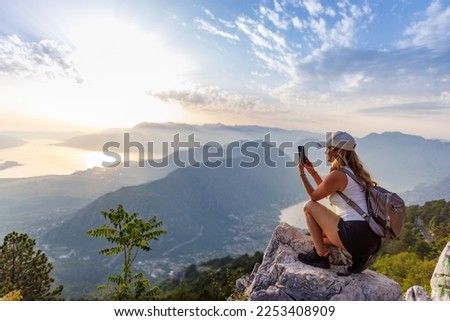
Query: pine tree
129,234
25,269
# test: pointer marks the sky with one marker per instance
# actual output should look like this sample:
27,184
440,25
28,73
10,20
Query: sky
360,66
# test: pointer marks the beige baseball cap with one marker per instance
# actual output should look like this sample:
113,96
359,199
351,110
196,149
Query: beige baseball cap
339,139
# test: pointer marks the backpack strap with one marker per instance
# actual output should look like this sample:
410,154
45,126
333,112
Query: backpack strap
353,176
354,205
348,200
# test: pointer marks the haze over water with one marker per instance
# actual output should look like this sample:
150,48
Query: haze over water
39,157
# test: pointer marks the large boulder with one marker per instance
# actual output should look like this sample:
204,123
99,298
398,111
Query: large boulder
440,281
281,277
416,293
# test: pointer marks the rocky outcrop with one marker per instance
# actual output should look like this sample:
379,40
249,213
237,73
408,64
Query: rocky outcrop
440,281
281,276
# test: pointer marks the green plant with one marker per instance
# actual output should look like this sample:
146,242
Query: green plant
129,234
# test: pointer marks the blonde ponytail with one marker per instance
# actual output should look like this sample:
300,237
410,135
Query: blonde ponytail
351,159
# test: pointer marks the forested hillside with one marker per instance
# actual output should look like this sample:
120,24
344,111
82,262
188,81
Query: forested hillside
210,281
411,259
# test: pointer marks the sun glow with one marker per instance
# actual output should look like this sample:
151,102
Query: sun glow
118,65
112,52
95,159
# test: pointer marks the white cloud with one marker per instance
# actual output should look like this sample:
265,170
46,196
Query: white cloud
259,74
330,12
46,58
357,11
418,109
280,42
313,6
269,47
209,14
227,24
351,82
432,31
214,99
400,72
318,26
318,29
274,17
206,26
274,63
297,23
247,26
277,6
341,31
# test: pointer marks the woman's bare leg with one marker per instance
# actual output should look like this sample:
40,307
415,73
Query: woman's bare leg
326,241
322,221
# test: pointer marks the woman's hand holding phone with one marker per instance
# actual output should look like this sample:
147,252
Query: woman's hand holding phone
301,154
304,162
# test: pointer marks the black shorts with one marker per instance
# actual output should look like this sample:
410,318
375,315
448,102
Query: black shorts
358,238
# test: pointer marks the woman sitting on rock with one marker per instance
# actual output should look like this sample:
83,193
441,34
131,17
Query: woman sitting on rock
344,227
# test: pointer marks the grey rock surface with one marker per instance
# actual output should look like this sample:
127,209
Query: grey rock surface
440,281
281,277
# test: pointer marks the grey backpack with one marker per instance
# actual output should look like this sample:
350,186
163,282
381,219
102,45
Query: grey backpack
386,210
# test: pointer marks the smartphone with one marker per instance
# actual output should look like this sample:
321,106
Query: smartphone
301,154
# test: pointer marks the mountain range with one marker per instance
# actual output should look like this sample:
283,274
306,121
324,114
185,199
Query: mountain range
400,160
425,192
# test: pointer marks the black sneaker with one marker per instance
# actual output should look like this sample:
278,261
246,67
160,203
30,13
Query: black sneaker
359,264
314,259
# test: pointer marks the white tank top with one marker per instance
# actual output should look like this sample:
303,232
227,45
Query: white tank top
353,191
